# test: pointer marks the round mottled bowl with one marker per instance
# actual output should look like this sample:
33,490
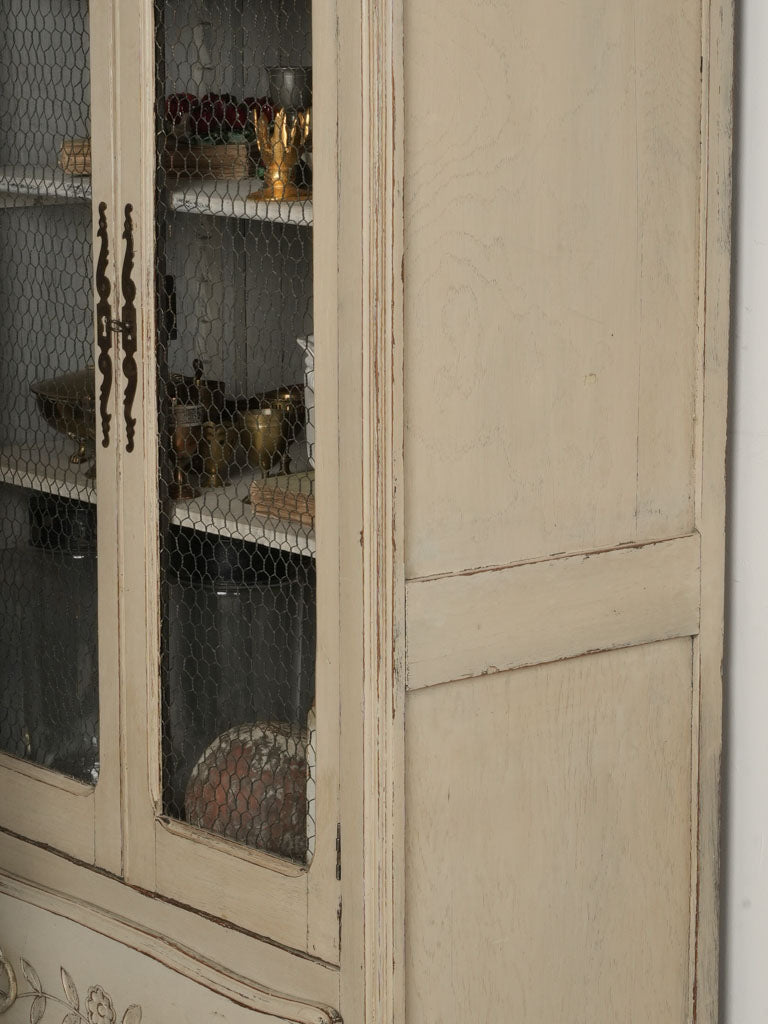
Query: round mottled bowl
250,785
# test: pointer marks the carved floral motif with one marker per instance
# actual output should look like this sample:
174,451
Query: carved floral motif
98,1008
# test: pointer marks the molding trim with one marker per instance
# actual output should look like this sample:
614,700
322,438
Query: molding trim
716,191
383,513
172,955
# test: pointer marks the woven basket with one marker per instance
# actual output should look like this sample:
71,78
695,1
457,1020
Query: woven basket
230,162
75,156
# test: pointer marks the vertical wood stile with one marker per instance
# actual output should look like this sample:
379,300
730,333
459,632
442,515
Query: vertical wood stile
717,140
383,549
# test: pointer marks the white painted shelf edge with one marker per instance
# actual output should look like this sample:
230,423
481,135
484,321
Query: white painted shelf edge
213,512
208,198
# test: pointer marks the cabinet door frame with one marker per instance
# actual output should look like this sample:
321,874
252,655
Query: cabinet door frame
80,820
290,904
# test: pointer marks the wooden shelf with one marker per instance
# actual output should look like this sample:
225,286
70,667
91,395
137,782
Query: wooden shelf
219,510
43,469
222,510
230,199
43,183
206,198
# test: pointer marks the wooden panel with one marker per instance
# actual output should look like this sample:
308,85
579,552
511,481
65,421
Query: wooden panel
549,843
551,276
105,977
47,808
476,623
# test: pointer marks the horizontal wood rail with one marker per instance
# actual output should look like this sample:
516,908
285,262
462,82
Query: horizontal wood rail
491,620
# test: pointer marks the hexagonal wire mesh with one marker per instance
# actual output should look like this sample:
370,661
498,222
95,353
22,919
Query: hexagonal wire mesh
234,273
48,606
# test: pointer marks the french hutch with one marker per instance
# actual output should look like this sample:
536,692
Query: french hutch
363,377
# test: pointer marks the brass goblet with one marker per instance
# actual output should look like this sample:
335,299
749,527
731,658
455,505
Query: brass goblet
289,399
265,439
217,448
281,148
185,444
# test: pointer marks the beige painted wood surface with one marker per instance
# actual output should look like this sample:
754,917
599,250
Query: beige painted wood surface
172,934
549,843
717,136
472,624
551,276
105,975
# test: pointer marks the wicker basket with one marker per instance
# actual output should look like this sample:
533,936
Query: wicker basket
75,156
230,162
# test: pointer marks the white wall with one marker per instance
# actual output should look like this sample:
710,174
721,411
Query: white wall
745,919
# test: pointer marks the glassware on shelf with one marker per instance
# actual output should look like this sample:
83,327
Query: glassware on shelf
50,654
241,645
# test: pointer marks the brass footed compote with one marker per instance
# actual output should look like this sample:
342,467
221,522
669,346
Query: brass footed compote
185,441
265,436
281,148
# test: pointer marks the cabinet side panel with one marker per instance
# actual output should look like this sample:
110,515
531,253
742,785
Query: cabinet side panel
553,162
549,842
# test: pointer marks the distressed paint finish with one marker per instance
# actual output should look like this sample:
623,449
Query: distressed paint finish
551,276
548,853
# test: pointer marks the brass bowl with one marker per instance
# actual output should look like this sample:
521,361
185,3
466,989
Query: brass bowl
289,400
265,434
68,404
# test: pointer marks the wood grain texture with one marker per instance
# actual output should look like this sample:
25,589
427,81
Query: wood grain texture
472,624
371,94
717,135
548,850
551,277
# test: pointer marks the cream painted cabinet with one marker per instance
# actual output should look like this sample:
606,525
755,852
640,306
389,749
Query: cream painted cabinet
362,428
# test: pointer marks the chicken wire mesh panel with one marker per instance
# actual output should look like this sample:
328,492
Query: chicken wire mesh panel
236,412
48,604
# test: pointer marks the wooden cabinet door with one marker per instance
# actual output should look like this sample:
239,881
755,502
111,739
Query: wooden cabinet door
59,738
229,608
